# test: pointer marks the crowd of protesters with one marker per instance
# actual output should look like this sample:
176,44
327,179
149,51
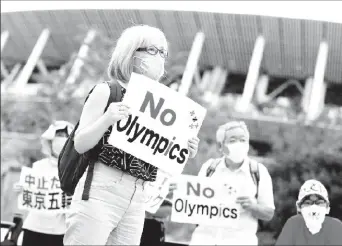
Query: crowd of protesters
114,213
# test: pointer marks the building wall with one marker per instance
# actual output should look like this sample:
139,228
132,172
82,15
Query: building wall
291,45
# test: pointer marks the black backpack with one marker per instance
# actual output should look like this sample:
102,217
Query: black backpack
71,164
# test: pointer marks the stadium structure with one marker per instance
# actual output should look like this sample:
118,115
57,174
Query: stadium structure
274,72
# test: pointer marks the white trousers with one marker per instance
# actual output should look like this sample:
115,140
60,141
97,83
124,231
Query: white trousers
114,213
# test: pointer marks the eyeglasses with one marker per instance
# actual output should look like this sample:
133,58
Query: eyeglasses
152,50
319,202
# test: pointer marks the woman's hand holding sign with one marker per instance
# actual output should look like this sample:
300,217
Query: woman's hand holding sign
116,112
193,146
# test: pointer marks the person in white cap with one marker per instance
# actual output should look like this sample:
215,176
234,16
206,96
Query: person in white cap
251,178
311,226
41,228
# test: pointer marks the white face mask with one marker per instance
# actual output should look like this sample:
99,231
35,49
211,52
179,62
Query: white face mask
237,152
314,216
149,67
57,145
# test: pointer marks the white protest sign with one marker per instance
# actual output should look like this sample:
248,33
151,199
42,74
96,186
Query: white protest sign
41,192
157,192
205,201
160,126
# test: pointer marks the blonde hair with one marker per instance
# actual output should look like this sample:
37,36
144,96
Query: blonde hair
120,66
221,131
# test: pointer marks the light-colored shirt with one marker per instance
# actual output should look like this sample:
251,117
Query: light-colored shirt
244,233
42,222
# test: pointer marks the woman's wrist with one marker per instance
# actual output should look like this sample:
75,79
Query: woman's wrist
105,121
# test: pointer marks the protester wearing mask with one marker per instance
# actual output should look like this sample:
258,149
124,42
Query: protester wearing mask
256,200
311,226
41,228
114,211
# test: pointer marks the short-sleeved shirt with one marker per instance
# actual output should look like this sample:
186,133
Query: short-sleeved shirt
117,158
247,224
295,232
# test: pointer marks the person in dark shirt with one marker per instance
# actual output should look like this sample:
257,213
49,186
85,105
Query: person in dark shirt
311,226
154,227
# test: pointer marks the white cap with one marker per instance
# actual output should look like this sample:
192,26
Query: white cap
312,187
50,133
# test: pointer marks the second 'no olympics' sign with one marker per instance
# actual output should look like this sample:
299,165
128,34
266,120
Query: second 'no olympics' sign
202,200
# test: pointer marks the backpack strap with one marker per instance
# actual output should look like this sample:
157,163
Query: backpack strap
254,169
115,93
114,96
212,168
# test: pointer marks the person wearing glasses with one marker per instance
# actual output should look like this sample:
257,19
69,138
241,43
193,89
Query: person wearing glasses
311,226
42,228
114,214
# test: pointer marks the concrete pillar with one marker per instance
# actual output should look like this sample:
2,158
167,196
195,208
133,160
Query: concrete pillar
191,64
261,89
306,94
317,95
252,76
82,54
32,61
4,38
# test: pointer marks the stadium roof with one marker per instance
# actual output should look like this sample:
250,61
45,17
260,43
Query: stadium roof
309,10
231,29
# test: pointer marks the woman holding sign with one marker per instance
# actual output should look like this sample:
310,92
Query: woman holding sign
42,228
115,211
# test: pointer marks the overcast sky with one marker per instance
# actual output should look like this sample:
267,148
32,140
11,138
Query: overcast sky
313,10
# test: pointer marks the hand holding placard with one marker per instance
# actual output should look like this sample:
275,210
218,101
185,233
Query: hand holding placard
115,112
160,124
201,200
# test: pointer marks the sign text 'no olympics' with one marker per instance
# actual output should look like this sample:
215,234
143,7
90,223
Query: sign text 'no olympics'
159,126
199,200
154,110
206,192
161,144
